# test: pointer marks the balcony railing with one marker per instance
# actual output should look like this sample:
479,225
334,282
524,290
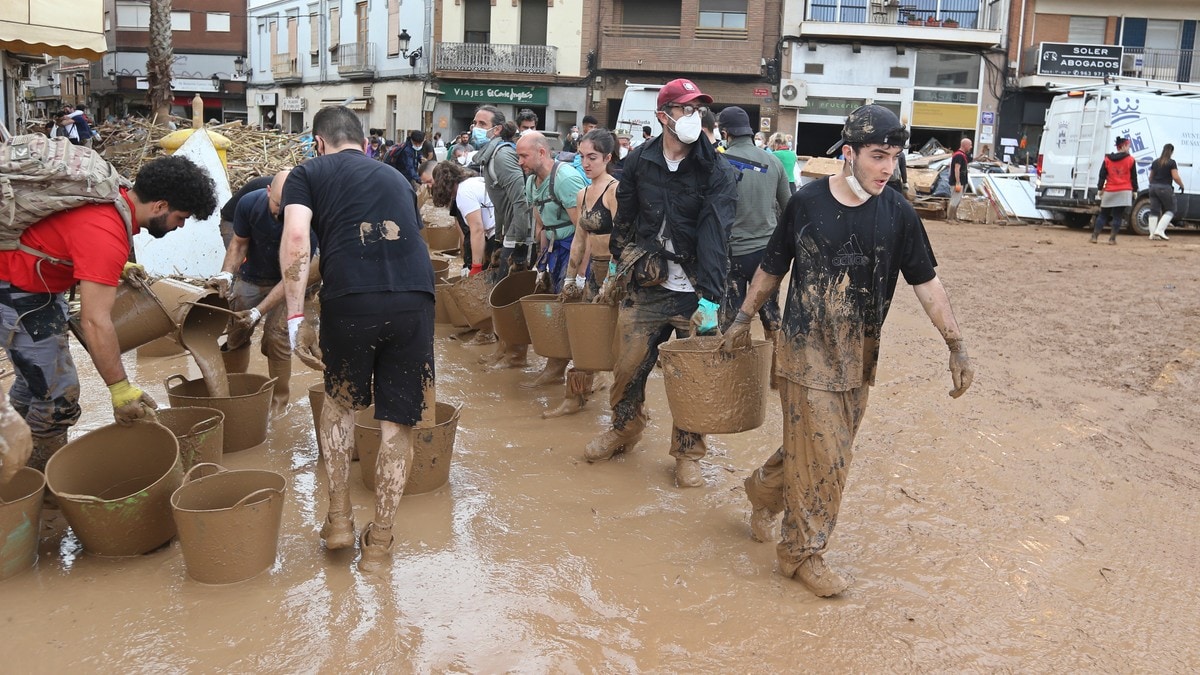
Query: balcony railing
1171,65
285,67
633,30
493,58
968,14
356,59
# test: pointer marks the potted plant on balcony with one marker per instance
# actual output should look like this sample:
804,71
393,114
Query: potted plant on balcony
932,21
949,23
912,19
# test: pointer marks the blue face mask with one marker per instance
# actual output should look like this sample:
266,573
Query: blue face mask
478,137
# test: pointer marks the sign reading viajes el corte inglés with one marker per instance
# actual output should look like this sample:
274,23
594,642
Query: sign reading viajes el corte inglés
494,93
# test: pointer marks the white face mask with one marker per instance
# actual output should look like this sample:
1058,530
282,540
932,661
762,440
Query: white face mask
856,187
622,152
687,128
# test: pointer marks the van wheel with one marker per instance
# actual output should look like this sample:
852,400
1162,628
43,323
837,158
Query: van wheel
1139,217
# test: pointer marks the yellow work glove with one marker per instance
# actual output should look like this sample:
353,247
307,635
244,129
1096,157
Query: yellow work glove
130,403
133,272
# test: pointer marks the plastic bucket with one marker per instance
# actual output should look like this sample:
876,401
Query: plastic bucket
20,521
714,393
433,448
592,331
114,487
247,408
138,316
441,294
441,268
599,267
441,238
547,325
508,319
471,295
228,522
200,432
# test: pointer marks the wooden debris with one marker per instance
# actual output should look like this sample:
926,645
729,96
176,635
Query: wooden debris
819,167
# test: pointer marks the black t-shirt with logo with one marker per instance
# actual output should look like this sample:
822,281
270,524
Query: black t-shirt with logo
844,263
367,225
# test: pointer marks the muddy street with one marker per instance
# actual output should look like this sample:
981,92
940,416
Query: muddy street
1047,521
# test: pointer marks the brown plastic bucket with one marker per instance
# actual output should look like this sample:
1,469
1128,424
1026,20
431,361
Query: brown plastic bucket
20,521
200,432
547,325
433,448
138,316
441,238
247,408
471,295
599,267
114,487
441,311
228,522
441,268
508,319
457,318
714,393
592,331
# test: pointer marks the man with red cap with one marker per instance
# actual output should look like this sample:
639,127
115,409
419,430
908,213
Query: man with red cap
675,206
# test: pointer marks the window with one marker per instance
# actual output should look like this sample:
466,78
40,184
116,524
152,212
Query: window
274,27
107,21
132,16
723,14
293,26
533,22
1088,30
947,71
335,32
217,22
393,28
1162,34
181,21
314,33
478,24
361,16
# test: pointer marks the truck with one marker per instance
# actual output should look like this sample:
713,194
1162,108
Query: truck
1081,127
638,107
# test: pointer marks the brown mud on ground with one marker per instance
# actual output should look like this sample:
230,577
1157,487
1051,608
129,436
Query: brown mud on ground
1046,521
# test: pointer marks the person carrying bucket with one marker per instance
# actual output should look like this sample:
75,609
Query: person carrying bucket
846,239
257,292
377,315
675,205
88,245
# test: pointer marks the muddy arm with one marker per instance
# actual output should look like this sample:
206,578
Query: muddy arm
96,301
936,304
762,287
235,254
294,252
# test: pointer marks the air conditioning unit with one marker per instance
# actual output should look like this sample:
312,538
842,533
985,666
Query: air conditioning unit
793,93
1132,63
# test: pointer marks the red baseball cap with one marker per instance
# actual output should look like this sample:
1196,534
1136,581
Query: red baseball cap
681,91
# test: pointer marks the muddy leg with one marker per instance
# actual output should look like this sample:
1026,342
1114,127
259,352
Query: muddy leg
579,385
337,442
764,489
391,473
552,373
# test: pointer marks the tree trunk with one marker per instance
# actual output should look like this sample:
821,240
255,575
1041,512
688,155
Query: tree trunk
160,55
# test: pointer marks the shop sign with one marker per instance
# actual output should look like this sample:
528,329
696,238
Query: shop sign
494,93
1079,60
293,104
944,115
265,99
762,92
838,107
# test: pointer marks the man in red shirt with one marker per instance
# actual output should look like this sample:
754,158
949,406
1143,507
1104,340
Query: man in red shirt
88,245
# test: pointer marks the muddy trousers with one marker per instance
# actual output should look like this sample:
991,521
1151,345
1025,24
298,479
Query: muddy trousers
275,344
46,389
741,273
646,320
806,476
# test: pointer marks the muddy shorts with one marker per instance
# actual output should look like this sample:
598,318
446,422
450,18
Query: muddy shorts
34,333
378,347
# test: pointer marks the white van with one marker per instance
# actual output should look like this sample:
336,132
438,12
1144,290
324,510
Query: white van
1081,127
638,106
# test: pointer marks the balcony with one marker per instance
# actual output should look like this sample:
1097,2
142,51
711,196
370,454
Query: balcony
48,91
1169,65
655,48
356,60
285,69
471,57
953,22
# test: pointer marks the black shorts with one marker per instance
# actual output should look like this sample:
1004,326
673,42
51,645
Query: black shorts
379,347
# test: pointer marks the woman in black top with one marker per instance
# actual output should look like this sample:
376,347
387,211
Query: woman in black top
1163,172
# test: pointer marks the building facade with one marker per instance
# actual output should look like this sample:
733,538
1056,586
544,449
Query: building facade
937,63
1060,44
520,54
370,55
208,38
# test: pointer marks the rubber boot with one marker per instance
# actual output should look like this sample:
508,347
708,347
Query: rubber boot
552,373
770,336
1163,222
1152,221
44,448
281,370
236,360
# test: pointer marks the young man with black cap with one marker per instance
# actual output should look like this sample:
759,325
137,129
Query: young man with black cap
763,194
846,239
675,206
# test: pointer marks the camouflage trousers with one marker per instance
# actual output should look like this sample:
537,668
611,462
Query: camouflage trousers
46,389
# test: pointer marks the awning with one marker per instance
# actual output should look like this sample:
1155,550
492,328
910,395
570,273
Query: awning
352,103
49,27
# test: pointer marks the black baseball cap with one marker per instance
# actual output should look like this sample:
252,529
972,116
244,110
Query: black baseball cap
735,122
872,124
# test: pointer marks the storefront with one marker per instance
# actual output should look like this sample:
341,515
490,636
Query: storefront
456,103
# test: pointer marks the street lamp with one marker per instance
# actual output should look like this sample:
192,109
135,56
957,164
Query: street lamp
216,80
239,65
404,39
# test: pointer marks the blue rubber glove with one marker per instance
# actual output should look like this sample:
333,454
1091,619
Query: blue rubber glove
704,321
612,266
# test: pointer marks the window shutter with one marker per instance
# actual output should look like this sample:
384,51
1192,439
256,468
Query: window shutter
335,27
314,28
393,27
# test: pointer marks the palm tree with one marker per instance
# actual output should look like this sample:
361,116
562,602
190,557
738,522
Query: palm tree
159,55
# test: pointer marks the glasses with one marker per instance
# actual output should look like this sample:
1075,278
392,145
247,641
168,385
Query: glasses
688,110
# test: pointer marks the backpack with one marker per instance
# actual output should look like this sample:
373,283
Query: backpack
553,196
41,176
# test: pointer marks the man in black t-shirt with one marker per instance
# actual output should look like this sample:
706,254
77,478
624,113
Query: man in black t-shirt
376,313
227,211
846,239
958,177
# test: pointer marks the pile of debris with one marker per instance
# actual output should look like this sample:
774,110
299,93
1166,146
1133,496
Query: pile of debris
252,152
